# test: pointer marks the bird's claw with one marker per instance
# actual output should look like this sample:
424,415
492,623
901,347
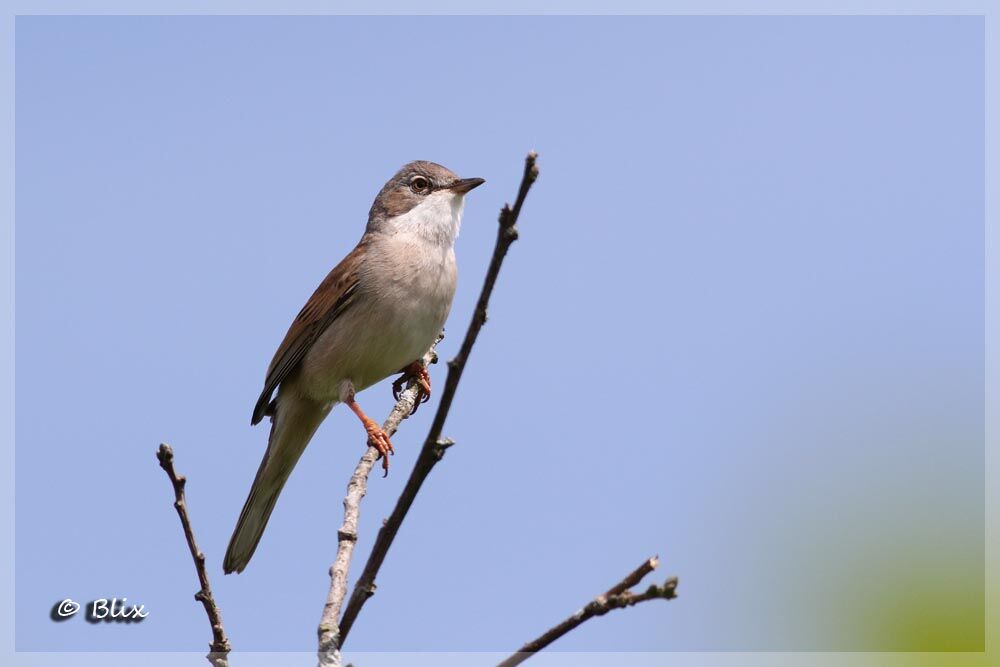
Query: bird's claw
418,373
379,439
397,387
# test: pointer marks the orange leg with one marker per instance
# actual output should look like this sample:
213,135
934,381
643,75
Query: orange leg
377,438
418,373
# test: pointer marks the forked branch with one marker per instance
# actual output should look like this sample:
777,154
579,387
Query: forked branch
618,596
332,634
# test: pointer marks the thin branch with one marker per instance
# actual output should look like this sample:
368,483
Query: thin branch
434,446
617,597
634,577
219,648
347,536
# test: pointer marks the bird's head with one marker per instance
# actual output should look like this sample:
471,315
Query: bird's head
423,198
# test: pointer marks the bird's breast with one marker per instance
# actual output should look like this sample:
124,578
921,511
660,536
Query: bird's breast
404,296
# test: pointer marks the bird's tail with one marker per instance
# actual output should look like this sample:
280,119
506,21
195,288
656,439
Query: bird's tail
292,427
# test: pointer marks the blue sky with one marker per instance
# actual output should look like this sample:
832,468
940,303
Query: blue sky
743,327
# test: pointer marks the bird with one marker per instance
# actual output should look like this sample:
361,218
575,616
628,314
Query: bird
374,315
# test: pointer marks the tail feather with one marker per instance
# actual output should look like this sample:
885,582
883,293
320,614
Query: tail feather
292,427
253,519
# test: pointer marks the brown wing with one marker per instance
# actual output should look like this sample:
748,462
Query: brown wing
330,299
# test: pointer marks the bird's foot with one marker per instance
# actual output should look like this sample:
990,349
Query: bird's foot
379,439
418,373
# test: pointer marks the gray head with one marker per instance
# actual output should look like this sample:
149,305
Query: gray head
423,197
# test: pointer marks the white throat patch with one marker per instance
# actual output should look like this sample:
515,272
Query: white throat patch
437,218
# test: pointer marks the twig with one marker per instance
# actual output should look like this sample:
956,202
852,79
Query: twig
617,597
434,446
219,648
347,536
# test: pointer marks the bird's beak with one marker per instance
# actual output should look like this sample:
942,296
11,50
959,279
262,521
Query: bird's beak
463,185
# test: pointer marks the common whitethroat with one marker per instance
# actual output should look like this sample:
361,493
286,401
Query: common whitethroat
374,315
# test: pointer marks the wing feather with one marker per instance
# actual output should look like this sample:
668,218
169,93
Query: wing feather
333,296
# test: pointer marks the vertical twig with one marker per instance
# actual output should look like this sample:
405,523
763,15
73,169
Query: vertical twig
219,648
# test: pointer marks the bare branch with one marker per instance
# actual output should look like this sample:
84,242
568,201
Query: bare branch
219,648
434,446
347,536
634,577
617,597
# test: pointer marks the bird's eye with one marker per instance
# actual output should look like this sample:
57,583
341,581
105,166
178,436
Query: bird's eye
420,185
